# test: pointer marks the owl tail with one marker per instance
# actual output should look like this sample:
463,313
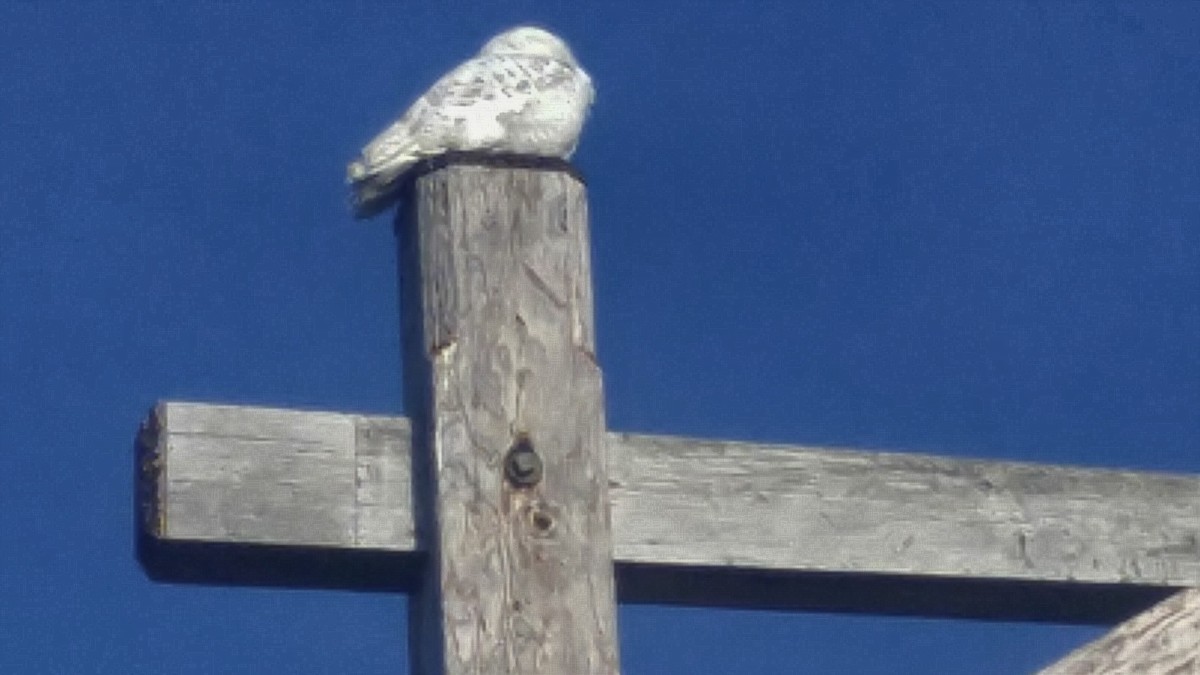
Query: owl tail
373,192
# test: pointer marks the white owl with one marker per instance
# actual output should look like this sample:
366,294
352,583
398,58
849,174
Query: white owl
523,94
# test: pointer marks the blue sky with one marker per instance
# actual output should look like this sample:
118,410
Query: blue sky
970,228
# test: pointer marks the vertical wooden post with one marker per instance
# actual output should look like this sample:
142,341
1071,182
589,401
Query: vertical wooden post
499,364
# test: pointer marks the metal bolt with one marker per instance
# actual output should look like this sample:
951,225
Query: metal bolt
522,465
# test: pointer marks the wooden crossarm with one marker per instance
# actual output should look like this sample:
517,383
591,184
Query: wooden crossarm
232,494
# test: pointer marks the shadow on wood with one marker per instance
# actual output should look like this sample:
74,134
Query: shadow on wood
227,564
897,595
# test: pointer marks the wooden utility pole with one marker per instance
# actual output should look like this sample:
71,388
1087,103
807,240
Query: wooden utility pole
502,381
491,502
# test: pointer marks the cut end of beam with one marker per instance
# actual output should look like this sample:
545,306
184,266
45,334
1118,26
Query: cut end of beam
149,470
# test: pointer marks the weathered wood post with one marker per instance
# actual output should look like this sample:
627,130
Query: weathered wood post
491,505
502,384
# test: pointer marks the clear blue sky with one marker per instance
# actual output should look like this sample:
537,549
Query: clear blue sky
971,228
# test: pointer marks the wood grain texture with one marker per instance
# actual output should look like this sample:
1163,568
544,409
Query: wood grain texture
695,502
499,347
276,477
703,522
267,497
1164,640
897,532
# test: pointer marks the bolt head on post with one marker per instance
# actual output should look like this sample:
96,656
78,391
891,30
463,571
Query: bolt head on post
522,465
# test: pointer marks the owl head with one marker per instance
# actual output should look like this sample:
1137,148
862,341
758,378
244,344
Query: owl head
529,41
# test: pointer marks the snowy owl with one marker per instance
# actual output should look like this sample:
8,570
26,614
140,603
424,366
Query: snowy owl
523,94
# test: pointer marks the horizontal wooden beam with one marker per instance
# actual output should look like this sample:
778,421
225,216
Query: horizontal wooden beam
234,494
263,496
